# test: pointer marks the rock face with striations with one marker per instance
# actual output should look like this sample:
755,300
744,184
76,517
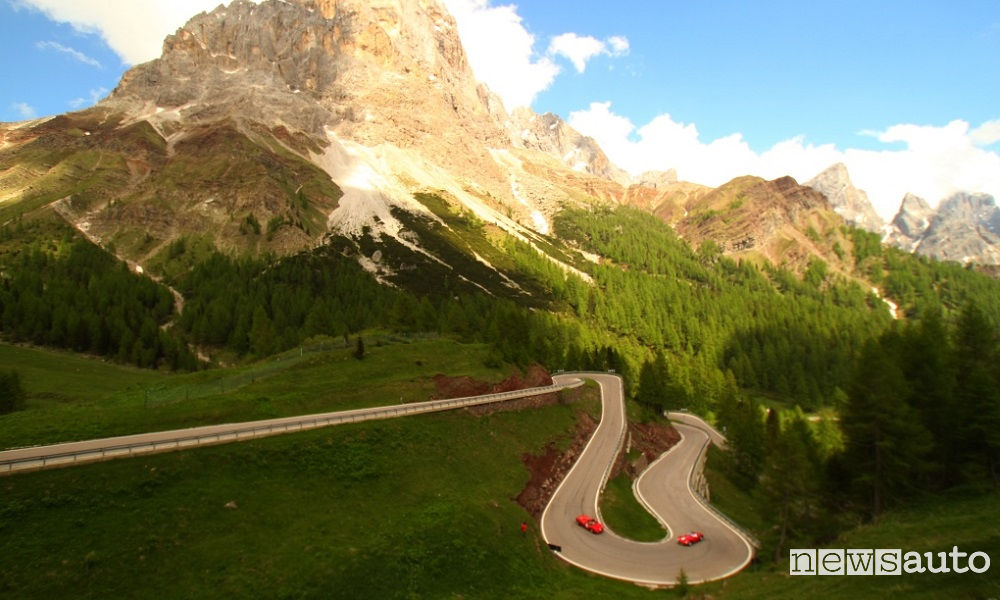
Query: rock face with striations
848,201
966,228
374,72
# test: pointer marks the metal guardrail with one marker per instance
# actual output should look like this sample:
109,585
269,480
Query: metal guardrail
699,467
211,434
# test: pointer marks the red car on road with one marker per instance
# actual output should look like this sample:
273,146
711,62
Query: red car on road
690,538
590,524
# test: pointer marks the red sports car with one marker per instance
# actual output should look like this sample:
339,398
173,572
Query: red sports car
690,538
590,524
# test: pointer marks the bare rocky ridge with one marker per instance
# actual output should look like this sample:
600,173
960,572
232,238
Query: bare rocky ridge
779,220
548,133
964,228
848,201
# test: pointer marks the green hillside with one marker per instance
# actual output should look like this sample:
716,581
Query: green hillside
74,398
416,507
868,412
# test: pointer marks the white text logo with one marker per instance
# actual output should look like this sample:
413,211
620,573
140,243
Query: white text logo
884,562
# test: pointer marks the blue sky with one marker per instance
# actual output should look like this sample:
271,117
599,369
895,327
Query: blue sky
775,69
904,93
50,68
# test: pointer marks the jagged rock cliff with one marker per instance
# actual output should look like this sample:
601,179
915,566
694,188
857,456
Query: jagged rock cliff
966,228
848,201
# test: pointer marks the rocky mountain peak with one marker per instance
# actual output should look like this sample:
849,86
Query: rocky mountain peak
657,179
966,227
548,133
848,201
374,71
914,216
910,223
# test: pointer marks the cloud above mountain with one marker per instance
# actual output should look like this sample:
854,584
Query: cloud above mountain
69,51
133,29
502,52
936,161
24,110
579,49
933,160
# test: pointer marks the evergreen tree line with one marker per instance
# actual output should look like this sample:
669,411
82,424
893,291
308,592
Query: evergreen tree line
922,416
923,413
257,308
711,316
921,285
75,295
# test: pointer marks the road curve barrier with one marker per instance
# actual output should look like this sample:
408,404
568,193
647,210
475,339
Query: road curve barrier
698,469
73,453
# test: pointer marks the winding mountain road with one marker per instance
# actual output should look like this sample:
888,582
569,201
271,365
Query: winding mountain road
664,488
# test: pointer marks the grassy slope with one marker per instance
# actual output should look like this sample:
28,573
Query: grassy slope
624,515
417,507
71,397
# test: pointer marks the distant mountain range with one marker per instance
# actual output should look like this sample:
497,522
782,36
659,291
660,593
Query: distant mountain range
965,227
272,127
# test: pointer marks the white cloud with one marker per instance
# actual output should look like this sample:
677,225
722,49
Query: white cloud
619,45
500,51
73,52
133,29
936,161
987,133
578,49
95,96
24,110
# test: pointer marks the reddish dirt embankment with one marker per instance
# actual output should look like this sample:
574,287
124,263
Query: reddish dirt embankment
461,387
549,468
650,440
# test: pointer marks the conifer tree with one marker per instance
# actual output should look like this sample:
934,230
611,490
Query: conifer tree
886,443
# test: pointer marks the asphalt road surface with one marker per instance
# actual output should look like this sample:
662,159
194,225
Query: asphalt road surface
663,488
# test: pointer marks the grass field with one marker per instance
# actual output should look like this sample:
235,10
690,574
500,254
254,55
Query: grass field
416,507
74,398
624,515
